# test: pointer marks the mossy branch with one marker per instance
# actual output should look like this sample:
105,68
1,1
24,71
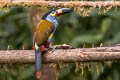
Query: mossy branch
84,8
60,3
61,55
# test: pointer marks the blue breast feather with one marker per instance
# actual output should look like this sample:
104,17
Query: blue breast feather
53,20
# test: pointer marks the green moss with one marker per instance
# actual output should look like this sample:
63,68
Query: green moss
82,10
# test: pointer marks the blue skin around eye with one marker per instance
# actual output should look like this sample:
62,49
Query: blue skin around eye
53,20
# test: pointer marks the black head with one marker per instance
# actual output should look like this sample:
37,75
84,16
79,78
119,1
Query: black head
58,12
44,16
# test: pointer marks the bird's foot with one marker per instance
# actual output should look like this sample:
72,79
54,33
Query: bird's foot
52,48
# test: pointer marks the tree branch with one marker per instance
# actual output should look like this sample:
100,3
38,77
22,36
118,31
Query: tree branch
43,3
62,55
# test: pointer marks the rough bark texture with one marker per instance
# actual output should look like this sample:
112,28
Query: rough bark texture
60,3
62,55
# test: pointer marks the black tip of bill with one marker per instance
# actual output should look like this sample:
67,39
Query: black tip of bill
66,10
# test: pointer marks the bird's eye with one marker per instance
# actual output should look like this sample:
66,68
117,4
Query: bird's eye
52,12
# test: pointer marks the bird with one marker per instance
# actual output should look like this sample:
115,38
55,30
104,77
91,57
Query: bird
44,33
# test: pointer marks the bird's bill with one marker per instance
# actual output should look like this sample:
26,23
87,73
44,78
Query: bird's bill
62,11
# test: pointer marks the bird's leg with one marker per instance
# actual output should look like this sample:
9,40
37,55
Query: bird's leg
42,48
49,45
52,47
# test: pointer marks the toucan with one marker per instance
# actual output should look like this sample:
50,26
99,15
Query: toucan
44,33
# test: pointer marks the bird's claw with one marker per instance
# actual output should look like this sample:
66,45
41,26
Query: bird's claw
52,48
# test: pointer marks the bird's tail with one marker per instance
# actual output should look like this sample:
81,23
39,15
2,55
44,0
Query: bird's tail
38,63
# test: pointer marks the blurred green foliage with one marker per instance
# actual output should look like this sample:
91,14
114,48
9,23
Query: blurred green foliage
94,29
75,30
15,29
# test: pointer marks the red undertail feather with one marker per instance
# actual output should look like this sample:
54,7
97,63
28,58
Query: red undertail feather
42,48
